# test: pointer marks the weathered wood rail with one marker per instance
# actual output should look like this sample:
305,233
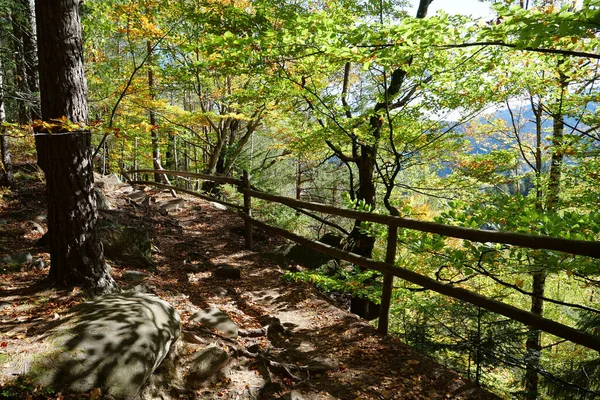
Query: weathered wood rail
388,267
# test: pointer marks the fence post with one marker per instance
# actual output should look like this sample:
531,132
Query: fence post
247,210
388,281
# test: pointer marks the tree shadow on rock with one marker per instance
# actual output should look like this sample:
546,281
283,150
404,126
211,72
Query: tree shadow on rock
113,342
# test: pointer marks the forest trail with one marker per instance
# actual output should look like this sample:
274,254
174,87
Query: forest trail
317,351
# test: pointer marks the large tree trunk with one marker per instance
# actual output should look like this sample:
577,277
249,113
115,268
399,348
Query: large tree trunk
75,249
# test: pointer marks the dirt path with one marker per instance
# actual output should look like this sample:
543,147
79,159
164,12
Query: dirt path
318,351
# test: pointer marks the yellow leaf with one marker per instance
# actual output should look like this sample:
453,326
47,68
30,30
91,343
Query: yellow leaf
519,283
95,393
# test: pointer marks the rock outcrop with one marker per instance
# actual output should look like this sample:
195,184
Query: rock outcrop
126,244
113,343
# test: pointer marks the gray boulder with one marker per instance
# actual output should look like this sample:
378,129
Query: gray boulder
35,226
205,364
293,395
101,200
38,264
218,206
17,259
172,205
216,319
113,342
106,182
228,272
131,275
126,244
139,196
312,259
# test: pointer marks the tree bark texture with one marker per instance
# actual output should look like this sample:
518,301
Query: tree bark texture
23,94
7,177
534,339
155,142
556,164
30,52
63,87
75,249
6,170
26,61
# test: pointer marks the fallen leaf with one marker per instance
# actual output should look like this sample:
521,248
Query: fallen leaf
3,344
95,393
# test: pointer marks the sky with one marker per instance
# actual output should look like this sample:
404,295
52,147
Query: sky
466,7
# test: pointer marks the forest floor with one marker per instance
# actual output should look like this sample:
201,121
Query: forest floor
334,354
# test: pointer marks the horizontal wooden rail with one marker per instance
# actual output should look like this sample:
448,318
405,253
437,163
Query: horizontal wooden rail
190,192
525,317
579,247
206,177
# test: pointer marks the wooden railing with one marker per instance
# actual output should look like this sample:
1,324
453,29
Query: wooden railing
388,267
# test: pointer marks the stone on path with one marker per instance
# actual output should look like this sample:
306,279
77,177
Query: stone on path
138,196
218,206
205,364
106,182
216,319
300,254
38,264
172,205
113,342
293,395
219,291
101,200
228,272
131,275
35,226
17,259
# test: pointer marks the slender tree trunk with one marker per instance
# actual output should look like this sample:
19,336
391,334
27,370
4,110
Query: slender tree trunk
135,160
298,180
30,56
175,161
23,94
7,178
534,339
169,164
534,336
154,130
186,162
360,242
556,162
75,249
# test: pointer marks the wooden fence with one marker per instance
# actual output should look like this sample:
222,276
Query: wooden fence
387,267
